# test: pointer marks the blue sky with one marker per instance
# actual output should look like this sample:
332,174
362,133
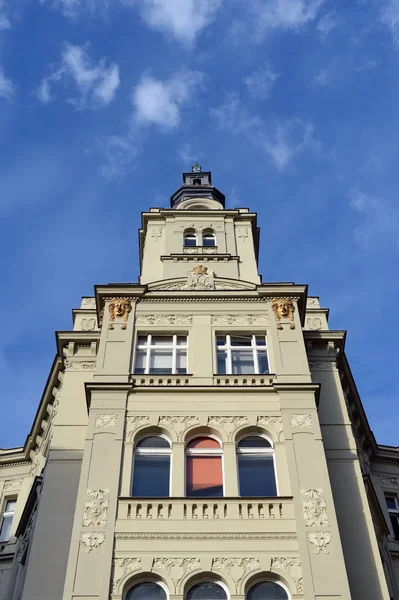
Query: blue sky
293,105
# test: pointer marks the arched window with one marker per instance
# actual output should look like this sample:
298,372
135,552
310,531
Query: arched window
151,467
267,590
208,238
255,459
204,476
190,238
206,590
146,590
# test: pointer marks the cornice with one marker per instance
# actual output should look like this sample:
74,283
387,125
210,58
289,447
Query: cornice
64,337
205,536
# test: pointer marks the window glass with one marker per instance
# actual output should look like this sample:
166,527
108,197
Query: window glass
190,239
161,354
161,361
395,525
267,590
263,363
242,363
209,239
140,361
221,363
161,340
151,475
254,442
206,590
153,441
147,590
242,340
241,354
6,520
391,502
256,475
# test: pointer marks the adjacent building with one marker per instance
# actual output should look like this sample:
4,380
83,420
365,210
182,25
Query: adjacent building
200,436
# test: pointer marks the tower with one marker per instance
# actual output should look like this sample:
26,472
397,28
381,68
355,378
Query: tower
200,437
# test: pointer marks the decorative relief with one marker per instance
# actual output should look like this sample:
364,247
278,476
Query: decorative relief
300,420
119,308
261,319
323,365
314,508
200,250
178,423
389,482
13,485
156,233
205,536
273,423
292,566
243,233
96,508
162,319
237,568
283,308
36,464
313,302
106,421
88,303
177,568
92,541
88,324
320,540
123,567
229,423
76,365
313,323
135,422
27,535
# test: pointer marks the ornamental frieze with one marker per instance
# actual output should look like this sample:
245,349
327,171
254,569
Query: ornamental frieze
177,568
77,365
237,568
106,421
300,421
133,423
122,568
291,566
272,423
228,423
163,319
179,423
12,485
262,319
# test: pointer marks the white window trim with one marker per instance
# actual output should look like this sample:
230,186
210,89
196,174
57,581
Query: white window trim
152,452
148,346
187,234
227,348
210,234
256,451
7,513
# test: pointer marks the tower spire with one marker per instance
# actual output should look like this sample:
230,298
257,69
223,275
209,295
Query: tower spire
197,191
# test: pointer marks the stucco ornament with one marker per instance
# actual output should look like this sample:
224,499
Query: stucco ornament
260,319
320,540
88,303
389,482
200,278
88,324
12,485
179,423
229,423
292,566
237,568
177,568
313,323
92,541
323,365
119,308
106,421
283,308
134,422
300,420
273,423
163,319
123,567
314,508
96,508
156,233
77,365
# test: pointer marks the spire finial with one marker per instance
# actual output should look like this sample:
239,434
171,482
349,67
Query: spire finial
196,168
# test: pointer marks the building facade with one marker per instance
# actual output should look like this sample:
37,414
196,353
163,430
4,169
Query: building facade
200,436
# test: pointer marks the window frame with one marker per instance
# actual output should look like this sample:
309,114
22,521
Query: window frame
204,452
193,234
392,512
210,234
269,579
146,580
207,580
227,348
148,347
262,451
7,513
152,452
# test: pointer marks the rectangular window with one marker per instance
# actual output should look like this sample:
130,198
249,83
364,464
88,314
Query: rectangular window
242,354
393,510
6,520
151,475
161,354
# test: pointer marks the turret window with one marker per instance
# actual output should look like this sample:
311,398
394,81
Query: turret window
255,462
6,519
208,238
242,354
190,238
161,354
151,467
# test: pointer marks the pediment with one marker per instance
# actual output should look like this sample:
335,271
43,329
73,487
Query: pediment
210,283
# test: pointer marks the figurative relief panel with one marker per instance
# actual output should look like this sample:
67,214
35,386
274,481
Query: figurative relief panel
96,508
314,508
283,308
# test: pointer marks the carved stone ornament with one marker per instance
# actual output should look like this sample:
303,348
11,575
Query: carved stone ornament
260,319
133,423
313,323
273,423
313,302
12,485
96,508
322,365
122,568
229,423
300,420
88,324
119,308
389,482
237,568
320,540
106,421
243,233
291,566
179,423
77,365
88,303
162,319
200,250
283,308
177,568
156,233
314,508
92,541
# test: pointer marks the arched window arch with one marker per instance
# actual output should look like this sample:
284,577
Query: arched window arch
204,471
151,467
190,238
206,590
267,590
146,590
208,238
256,471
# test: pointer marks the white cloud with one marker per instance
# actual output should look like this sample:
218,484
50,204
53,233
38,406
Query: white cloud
7,89
182,19
261,82
323,77
96,84
286,14
281,140
377,219
159,102
187,155
4,22
389,16
72,8
326,24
